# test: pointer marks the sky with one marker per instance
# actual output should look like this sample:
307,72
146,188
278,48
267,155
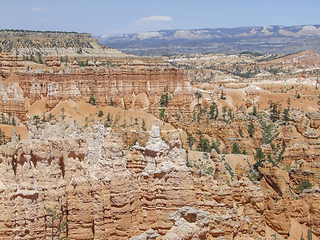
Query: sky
105,17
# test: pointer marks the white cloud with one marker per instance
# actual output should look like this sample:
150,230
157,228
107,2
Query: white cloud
37,9
147,24
156,19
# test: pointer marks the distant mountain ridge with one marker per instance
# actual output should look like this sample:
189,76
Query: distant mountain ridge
267,39
27,43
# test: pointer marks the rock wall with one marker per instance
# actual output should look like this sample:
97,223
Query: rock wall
133,86
122,85
104,192
11,98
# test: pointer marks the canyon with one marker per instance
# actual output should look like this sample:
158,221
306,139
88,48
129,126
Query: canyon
116,146
104,192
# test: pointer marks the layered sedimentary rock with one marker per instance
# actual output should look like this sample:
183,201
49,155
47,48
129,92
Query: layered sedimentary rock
11,98
134,86
46,44
105,193
121,85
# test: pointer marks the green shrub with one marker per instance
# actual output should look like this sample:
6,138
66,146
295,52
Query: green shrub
100,114
304,185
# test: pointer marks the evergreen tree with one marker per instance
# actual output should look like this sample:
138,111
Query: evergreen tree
235,149
36,118
259,155
3,137
215,145
198,95
286,114
214,112
63,116
32,59
162,110
144,125
40,58
205,145
92,100
3,119
250,130
222,95
274,112
254,111
109,117
191,140
164,100
100,114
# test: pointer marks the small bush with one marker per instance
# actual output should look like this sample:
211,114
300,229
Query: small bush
100,114
304,185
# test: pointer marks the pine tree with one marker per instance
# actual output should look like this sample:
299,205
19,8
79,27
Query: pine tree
235,149
191,140
198,95
259,155
92,100
100,114
214,112
250,130
215,145
286,114
144,125
254,111
63,116
36,118
274,112
205,145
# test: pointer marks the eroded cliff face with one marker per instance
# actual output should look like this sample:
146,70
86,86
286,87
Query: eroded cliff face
128,86
122,85
107,188
105,192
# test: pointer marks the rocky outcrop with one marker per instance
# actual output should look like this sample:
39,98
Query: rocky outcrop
11,98
131,86
121,85
314,119
105,193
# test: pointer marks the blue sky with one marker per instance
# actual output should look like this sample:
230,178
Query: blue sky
130,16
